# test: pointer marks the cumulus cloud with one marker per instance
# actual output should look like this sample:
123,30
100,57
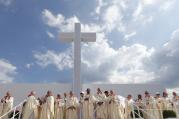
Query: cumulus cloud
128,36
50,35
128,16
60,60
29,65
101,62
135,63
7,71
100,4
165,61
6,2
59,21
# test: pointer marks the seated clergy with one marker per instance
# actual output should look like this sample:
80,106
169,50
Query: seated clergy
31,107
7,104
72,106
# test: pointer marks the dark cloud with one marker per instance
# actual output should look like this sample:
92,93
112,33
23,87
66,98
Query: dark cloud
165,62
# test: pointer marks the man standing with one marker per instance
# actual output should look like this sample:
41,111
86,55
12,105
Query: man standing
128,106
59,107
175,101
65,107
167,104
107,105
100,111
81,101
114,107
48,107
88,105
30,110
72,105
7,102
157,106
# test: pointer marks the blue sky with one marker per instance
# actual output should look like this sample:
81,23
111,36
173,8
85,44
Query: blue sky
136,41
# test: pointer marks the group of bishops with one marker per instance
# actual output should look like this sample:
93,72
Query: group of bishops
102,105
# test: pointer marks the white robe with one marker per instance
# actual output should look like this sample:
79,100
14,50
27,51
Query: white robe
48,108
167,105
88,107
176,106
114,111
140,107
160,106
7,106
100,109
65,107
128,108
59,109
30,110
72,105
152,108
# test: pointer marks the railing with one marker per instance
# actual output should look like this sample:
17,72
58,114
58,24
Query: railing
144,111
13,111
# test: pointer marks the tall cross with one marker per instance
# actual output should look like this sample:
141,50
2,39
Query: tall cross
77,37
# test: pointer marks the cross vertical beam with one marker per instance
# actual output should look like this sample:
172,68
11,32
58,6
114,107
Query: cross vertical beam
77,60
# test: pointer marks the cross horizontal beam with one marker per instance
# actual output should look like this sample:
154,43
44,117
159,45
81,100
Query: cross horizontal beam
85,37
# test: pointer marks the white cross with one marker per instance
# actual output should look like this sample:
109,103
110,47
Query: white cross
77,37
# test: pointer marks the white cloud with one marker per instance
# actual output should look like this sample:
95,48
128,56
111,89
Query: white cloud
59,21
6,2
60,60
165,61
50,35
112,16
128,64
100,4
7,71
29,65
167,5
101,62
128,36
150,2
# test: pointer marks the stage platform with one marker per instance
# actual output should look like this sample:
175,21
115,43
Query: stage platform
20,91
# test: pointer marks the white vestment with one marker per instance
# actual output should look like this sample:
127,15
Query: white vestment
114,108
159,106
140,107
7,106
59,109
153,108
88,106
167,105
100,111
175,102
128,108
30,110
48,108
72,105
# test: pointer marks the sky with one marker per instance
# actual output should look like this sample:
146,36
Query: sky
137,41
